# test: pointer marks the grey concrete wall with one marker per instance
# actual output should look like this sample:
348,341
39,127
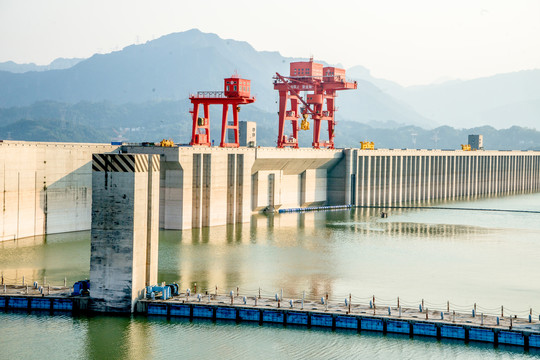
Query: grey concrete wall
396,177
124,234
204,186
45,187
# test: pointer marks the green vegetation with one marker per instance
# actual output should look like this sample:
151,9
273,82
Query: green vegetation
153,121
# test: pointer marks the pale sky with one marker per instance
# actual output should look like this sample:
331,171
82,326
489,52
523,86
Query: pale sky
410,42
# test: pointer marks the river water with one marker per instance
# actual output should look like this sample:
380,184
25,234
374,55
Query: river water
450,255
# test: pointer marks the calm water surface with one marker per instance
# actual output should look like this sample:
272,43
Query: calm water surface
461,256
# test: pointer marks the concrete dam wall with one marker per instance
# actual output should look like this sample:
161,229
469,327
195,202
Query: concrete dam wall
396,177
46,187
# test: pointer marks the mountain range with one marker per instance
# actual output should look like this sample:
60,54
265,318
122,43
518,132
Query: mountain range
149,84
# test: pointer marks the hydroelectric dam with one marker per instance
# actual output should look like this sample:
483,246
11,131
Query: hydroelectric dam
125,192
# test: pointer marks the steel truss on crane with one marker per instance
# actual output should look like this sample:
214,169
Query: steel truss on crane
321,84
236,92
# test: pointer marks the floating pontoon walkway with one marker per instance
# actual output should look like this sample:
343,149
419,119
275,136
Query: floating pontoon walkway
507,330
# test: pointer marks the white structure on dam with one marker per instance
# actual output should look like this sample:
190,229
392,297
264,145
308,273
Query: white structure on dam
46,187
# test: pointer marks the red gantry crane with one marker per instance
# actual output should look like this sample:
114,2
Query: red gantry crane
236,92
321,85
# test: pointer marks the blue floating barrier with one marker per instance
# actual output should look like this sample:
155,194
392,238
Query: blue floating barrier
202,311
424,329
400,327
226,313
452,332
345,322
273,316
249,315
511,338
321,320
180,310
484,335
297,318
372,324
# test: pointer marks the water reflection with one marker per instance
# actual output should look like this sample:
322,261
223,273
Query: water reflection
48,258
435,254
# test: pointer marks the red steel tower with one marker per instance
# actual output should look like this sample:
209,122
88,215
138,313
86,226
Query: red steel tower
321,85
236,92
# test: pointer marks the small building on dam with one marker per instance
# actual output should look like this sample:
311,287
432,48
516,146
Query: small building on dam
47,187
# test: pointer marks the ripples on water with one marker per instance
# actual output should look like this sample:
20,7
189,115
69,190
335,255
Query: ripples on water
62,337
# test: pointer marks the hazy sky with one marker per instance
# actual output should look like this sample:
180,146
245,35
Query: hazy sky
411,42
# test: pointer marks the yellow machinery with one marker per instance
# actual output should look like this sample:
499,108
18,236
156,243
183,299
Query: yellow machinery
166,143
465,147
305,124
367,145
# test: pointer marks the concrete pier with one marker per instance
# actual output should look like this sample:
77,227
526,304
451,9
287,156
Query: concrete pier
124,235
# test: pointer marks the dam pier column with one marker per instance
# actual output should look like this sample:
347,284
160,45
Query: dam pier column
124,233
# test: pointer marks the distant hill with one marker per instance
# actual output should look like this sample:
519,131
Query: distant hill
149,121
51,130
57,64
500,101
175,65
168,69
